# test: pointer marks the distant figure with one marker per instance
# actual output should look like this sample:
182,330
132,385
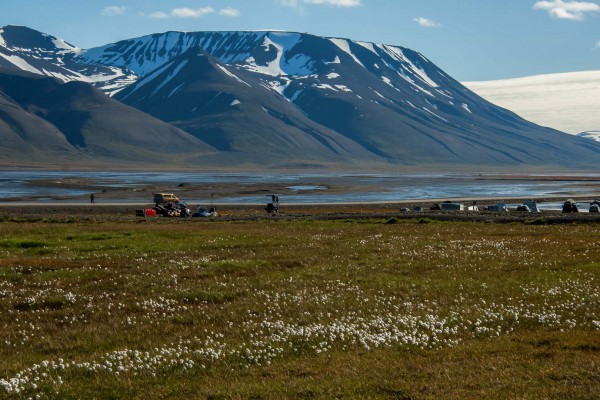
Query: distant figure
92,198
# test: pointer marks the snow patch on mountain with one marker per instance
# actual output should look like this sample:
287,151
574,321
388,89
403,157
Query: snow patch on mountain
370,47
298,65
592,135
387,80
273,68
336,60
344,45
56,75
279,86
434,114
325,86
20,63
232,75
64,46
380,95
176,89
295,96
344,88
411,66
149,78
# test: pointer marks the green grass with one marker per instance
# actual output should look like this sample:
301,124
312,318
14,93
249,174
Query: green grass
300,309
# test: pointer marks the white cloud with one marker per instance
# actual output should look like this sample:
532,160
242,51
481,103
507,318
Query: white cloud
185,12
229,12
112,11
297,4
427,23
597,44
337,3
191,12
157,15
571,10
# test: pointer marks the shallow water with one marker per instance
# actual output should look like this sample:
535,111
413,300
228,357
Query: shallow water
307,187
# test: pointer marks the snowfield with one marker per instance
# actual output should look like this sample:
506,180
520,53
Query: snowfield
568,102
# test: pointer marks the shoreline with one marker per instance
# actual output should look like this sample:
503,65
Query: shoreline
319,191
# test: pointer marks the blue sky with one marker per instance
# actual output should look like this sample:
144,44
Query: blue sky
470,39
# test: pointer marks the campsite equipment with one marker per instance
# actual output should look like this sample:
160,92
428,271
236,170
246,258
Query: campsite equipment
532,205
570,206
500,207
202,212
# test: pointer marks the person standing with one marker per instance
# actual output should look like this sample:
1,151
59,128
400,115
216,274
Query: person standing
92,198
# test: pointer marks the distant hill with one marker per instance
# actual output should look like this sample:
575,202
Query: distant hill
568,102
45,120
279,99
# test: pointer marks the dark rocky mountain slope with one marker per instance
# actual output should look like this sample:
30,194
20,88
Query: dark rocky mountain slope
45,120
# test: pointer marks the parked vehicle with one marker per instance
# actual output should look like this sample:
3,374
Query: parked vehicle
570,206
169,205
162,198
202,212
532,205
448,206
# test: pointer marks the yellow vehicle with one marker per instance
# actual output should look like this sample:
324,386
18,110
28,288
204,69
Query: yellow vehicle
164,198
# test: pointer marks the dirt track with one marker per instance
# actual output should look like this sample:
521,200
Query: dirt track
388,212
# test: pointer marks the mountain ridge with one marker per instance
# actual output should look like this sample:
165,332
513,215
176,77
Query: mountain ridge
280,97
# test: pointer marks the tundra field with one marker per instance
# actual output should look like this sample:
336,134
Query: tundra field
307,308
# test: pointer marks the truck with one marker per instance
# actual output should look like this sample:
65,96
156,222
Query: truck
168,205
163,198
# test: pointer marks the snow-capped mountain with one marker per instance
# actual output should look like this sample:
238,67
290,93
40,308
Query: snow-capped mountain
29,50
568,102
288,98
391,101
